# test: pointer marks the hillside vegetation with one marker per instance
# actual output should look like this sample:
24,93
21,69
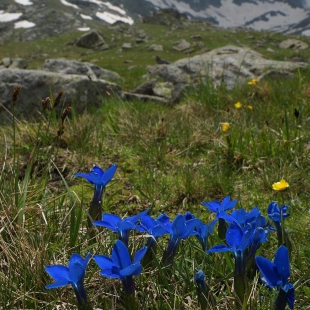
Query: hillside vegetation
170,159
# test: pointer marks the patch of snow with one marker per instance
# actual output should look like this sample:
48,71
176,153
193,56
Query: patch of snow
111,18
24,24
8,17
24,2
231,15
86,16
84,29
306,33
109,5
114,8
69,4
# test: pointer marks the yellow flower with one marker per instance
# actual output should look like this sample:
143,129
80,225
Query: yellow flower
253,82
238,105
250,107
225,126
280,186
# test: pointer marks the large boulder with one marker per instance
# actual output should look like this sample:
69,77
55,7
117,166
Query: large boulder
227,65
79,90
65,66
92,40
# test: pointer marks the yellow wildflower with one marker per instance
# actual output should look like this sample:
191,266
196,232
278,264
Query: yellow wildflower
225,126
253,82
250,107
280,186
238,105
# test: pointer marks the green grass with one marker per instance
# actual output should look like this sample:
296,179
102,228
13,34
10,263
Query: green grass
170,159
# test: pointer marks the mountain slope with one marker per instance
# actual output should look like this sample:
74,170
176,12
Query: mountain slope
44,18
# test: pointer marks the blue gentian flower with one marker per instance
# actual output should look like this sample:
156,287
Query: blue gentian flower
220,209
203,232
73,274
153,227
277,215
120,226
241,216
238,240
256,220
165,221
200,280
180,229
276,274
205,297
119,266
100,179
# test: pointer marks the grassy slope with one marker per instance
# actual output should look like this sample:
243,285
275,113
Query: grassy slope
172,158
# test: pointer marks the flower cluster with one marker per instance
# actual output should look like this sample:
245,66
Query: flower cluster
241,233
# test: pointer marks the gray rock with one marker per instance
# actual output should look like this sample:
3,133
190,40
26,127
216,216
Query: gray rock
36,85
6,61
182,45
93,40
145,88
126,46
161,61
155,48
163,89
65,66
294,44
19,63
229,65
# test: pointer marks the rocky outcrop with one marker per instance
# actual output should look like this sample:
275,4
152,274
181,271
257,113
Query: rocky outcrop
229,65
293,44
93,40
15,63
88,69
165,17
36,85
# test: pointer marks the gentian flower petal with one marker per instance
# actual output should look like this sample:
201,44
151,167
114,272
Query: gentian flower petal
158,231
282,262
58,272
147,223
120,255
213,206
165,221
134,219
227,204
139,255
217,207
76,272
111,273
124,225
103,261
132,270
109,221
108,175
234,235
86,176
268,270
57,284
